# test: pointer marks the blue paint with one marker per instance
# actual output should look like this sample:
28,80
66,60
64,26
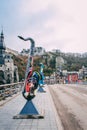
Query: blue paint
41,89
41,82
29,109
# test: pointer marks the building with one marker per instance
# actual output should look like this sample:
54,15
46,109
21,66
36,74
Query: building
8,71
8,50
72,77
25,52
38,51
59,62
83,73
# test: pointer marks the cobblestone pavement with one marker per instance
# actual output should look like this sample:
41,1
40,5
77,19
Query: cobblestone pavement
42,101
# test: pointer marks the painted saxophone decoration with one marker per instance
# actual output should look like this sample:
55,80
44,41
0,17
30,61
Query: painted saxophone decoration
41,81
31,78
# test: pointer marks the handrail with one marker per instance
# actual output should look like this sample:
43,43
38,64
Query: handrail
5,85
7,90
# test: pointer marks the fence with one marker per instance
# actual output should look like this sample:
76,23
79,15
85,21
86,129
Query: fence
7,90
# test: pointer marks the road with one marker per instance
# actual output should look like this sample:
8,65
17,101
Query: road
71,105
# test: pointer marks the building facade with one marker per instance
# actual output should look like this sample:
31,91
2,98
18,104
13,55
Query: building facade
8,71
38,51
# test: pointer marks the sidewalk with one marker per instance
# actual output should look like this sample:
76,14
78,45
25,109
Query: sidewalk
42,101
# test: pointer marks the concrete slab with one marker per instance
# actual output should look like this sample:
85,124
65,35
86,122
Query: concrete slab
42,101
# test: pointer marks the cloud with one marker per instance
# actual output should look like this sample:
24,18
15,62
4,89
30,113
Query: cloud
52,23
33,7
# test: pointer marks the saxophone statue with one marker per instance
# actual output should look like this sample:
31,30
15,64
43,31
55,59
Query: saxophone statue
31,78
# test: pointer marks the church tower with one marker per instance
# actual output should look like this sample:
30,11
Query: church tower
7,67
2,49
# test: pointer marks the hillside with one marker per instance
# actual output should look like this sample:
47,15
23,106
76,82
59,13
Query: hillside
73,63
20,62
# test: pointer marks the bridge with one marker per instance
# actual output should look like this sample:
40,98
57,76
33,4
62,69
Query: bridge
12,102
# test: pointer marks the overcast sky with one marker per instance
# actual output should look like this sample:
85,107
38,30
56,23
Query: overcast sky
53,24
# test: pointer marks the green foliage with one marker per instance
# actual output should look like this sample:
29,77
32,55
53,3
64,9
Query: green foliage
52,63
72,63
20,62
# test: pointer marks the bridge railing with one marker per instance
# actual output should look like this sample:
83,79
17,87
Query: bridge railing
7,90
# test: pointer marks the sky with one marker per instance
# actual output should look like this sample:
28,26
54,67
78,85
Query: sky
53,24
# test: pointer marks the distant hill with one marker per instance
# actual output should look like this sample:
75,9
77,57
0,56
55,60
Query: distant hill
74,62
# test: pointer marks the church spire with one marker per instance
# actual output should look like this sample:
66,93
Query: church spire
2,45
